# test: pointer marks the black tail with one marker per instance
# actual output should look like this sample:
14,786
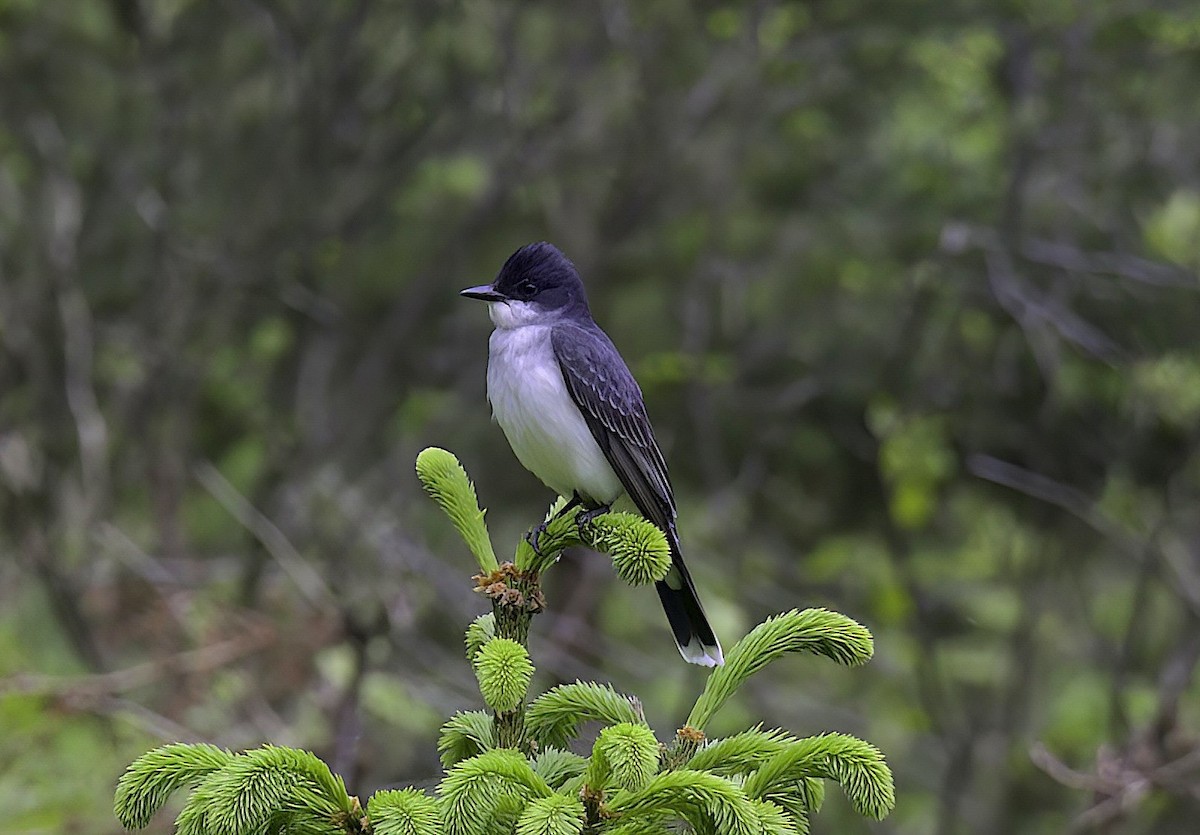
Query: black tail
695,638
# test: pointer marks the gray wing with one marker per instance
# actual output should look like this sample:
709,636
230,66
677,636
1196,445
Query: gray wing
604,390
611,402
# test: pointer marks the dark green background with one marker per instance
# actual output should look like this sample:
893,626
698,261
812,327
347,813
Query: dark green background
910,288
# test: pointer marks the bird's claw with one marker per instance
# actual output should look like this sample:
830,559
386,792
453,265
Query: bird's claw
534,535
586,517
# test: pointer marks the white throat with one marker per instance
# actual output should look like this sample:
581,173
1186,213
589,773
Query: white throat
514,314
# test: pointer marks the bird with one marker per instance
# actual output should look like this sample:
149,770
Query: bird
575,417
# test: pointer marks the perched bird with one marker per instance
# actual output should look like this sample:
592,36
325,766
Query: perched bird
574,415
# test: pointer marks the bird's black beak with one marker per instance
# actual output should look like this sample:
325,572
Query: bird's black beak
484,292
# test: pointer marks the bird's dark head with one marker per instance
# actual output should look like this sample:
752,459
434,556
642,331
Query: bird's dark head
536,284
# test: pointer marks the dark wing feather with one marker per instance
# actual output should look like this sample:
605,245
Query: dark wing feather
604,390
611,402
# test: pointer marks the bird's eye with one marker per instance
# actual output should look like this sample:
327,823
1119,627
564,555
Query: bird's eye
527,288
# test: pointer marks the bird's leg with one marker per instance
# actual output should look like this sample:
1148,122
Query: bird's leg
535,533
584,519
576,501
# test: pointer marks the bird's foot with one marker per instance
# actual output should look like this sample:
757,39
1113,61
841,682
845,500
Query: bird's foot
588,516
534,535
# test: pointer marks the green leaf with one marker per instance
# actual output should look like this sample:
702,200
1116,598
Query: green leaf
554,717
404,812
466,735
156,775
446,481
818,631
305,812
795,808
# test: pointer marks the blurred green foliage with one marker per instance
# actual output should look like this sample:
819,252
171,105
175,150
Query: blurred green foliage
911,289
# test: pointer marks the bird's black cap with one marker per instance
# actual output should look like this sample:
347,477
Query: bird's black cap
537,273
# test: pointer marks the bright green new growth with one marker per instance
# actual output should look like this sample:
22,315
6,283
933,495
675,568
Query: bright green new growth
746,752
817,631
556,766
156,775
263,788
267,789
481,630
406,812
760,782
708,802
624,756
856,765
465,735
483,788
446,480
504,671
555,716
553,815
638,549
561,532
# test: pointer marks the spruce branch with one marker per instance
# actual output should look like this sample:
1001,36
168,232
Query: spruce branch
554,717
504,671
858,766
775,820
154,776
516,596
556,766
818,631
740,753
262,786
508,770
624,756
647,825
465,735
476,789
481,630
447,482
404,812
797,812
193,818
706,801
638,549
560,532
553,815
746,752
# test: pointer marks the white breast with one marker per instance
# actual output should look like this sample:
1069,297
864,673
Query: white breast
543,425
